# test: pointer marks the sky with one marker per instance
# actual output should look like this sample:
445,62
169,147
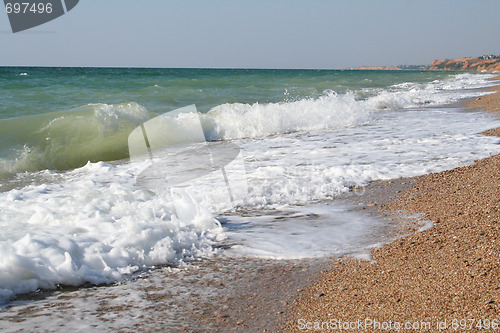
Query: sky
256,34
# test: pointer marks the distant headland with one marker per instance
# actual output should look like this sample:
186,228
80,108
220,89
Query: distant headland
483,63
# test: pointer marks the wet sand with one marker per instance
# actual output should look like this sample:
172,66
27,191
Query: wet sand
219,294
447,277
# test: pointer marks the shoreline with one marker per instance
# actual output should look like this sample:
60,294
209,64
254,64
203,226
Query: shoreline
236,294
218,294
448,272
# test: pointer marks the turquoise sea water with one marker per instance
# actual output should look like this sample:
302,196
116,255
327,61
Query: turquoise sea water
32,91
57,113
72,210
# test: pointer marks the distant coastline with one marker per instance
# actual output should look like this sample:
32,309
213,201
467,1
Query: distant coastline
483,63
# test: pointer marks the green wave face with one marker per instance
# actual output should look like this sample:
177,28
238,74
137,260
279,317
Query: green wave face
68,139
32,138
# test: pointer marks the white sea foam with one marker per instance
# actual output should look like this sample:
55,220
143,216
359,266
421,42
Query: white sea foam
235,121
302,168
94,227
288,173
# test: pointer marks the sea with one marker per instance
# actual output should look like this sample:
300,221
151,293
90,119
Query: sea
107,172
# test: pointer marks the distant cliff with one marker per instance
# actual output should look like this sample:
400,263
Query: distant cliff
466,64
486,62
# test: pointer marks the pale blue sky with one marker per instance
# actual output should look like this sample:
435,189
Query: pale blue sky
257,33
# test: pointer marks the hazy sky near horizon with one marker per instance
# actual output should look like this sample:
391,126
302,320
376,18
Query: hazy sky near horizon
256,34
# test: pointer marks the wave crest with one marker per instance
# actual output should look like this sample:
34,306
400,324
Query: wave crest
69,139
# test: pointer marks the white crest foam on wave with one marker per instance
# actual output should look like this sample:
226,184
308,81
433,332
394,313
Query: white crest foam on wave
332,110
234,121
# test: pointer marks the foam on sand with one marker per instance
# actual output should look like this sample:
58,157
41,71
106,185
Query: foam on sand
94,228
